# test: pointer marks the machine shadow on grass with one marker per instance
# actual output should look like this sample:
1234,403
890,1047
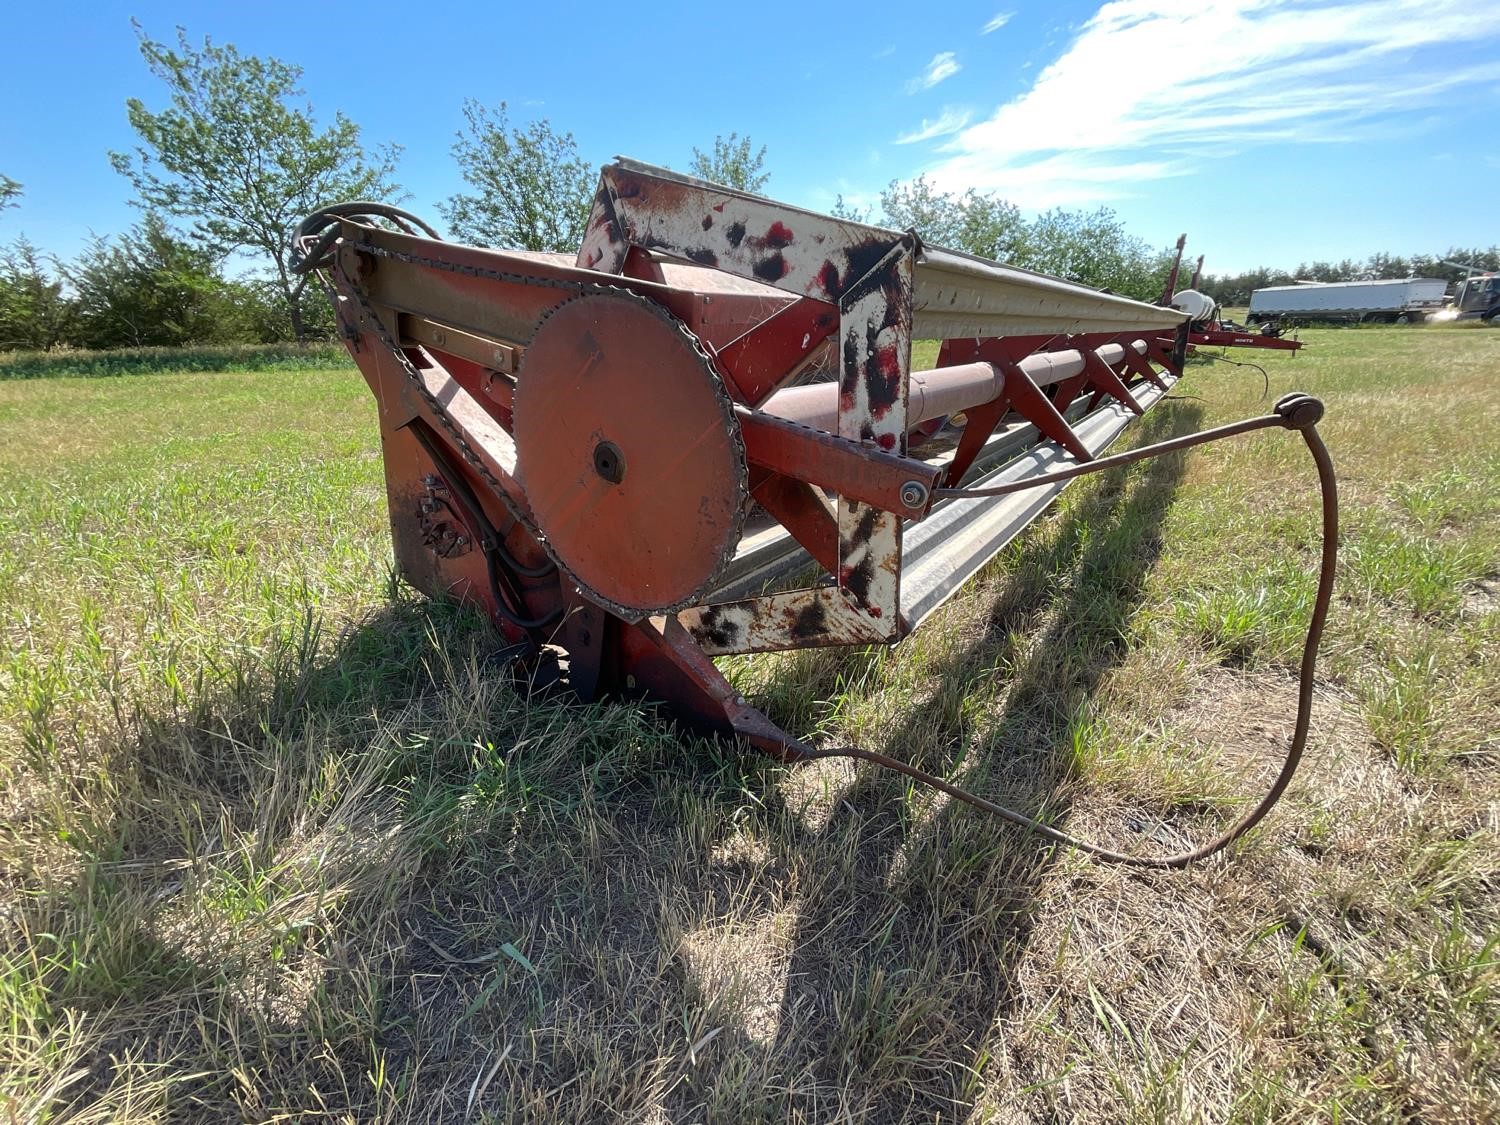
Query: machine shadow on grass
553,867
165,935
943,899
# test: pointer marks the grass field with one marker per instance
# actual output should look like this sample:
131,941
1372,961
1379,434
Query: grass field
279,842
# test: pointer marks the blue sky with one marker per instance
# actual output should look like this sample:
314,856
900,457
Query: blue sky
1272,132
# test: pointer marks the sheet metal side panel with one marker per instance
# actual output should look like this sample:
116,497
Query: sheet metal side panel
958,297
875,350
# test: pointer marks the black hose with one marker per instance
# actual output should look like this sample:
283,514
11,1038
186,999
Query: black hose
1295,411
1265,379
323,226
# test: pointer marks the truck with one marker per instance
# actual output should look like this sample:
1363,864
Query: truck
1410,300
1475,298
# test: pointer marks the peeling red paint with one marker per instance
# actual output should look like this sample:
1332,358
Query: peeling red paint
778,236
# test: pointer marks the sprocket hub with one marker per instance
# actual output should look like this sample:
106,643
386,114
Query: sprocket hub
629,453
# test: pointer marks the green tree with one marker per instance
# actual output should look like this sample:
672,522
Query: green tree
532,191
236,154
936,216
10,191
735,162
972,222
843,209
262,316
151,289
35,310
1093,248
978,224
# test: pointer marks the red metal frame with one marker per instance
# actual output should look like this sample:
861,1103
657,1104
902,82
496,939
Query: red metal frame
749,295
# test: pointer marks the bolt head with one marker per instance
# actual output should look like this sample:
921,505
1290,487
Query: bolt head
913,494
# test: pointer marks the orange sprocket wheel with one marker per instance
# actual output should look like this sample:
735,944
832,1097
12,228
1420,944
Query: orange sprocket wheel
629,453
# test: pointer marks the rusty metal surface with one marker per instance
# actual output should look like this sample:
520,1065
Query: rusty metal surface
629,454
867,271
496,355
796,251
610,404
955,294
875,351
770,555
813,618
1221,338
869,476
946,390
778,349
443,530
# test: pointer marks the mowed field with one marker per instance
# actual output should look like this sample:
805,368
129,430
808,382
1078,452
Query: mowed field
279,841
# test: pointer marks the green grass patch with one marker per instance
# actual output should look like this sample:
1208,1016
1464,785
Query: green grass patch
281,841
152,361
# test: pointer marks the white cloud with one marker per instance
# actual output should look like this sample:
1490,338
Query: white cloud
1149,86
949,121
943,65
999,20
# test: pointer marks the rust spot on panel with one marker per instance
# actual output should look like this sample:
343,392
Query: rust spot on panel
718,628
703,256
772,269
847,373
812,621
778,237
828,278
882,366
858,261
735,234
708,221
857,579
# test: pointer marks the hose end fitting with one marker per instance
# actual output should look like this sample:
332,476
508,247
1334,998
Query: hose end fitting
1299,411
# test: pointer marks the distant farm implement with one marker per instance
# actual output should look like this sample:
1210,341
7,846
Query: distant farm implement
702,436
1206,326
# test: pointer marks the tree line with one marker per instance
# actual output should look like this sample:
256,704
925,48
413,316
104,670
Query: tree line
235,157
1235,289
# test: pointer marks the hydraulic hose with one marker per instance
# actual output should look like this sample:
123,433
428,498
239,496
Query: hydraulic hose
1296,412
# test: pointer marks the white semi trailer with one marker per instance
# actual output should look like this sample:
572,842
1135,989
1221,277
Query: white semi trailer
1402,301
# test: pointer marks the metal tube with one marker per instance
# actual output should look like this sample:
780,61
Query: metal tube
943,390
